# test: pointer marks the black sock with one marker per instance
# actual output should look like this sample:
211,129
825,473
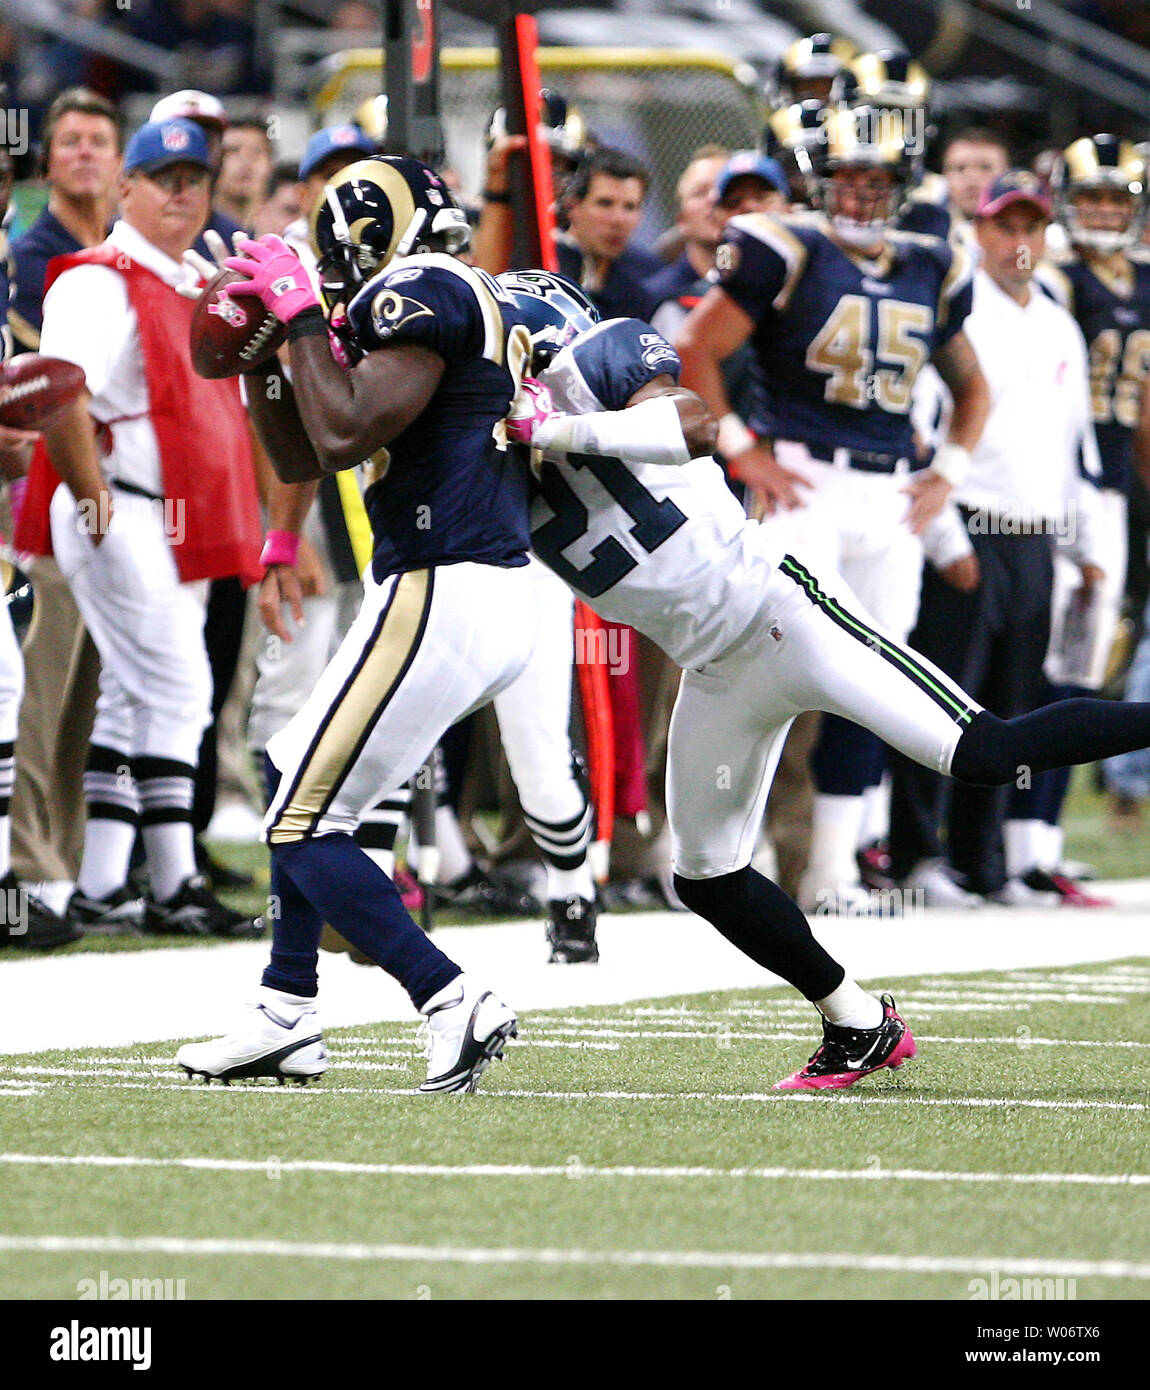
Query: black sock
755,915
993,751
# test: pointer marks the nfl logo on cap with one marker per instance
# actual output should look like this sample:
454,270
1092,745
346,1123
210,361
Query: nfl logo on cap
174,137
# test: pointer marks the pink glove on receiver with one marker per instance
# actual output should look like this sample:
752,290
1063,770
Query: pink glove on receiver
276,274
531,408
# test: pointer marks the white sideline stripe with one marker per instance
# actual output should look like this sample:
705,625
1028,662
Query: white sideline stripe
321,1091
570,1170
670,1259
115,1069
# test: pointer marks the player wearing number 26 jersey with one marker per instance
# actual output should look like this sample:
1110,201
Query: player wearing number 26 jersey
653,538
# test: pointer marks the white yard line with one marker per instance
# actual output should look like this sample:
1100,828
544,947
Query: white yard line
1005,1265
305,1094
570,1170
117,999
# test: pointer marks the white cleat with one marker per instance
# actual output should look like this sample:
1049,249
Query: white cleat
466,1028
938,886
280,1037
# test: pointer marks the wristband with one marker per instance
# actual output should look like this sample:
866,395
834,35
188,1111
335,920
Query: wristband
307,323
280,548
952,462
734,436
489,196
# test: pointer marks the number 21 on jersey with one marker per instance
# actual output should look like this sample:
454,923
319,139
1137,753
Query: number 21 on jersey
655,520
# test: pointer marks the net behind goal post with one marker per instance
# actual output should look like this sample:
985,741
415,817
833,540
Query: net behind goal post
657,104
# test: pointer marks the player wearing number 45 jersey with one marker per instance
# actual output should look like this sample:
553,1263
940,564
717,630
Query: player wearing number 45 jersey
843,311
653,537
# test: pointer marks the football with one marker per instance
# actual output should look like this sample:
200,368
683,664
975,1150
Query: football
34,388
230,335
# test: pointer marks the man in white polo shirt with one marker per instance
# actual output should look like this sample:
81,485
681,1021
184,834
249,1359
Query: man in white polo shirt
158,497
1031,490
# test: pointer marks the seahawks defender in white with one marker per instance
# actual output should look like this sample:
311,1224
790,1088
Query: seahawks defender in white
652,537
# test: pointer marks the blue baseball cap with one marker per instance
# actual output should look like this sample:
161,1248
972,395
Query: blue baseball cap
160,143
1015,186
750,164
335,139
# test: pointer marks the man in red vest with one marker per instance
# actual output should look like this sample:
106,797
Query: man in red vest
158,499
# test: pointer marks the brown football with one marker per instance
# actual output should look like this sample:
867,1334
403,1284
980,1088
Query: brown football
34,388
230,335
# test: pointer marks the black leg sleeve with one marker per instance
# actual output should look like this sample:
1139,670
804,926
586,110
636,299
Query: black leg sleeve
995,751
755,915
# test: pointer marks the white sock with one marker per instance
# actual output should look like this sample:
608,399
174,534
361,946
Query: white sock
384,858
171,851
876,813
570,883
5,845
1053,843
850,1006
107,856
449,994
831,862
280,999
454,856
1024,845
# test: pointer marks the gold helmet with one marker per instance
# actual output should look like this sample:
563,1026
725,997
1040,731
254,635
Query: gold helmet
379,210
371,117
864,137
1101,162
885,78
807,69
794,136
561,125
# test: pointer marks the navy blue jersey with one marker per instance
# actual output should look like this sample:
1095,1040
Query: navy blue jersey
1110,298
447,489
840,339
927,210
671,281
624,289
45,238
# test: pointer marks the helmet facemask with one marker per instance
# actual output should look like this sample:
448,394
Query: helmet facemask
1105,240
1092,164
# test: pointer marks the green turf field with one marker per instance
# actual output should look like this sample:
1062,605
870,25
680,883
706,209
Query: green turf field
633,1151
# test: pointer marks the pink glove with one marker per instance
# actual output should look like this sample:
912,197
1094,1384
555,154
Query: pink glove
276,274
531,408
338,351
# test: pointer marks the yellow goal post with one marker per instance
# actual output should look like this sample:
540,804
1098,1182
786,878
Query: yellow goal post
658,104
